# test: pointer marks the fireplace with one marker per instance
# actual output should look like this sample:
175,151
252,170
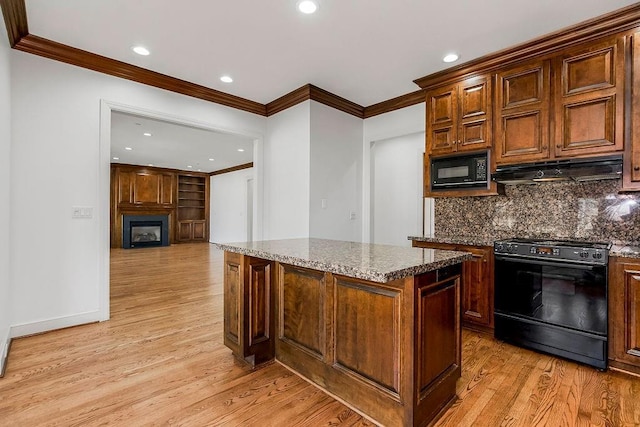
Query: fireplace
142,231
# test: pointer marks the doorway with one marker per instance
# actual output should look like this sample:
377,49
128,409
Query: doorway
107,110
396,189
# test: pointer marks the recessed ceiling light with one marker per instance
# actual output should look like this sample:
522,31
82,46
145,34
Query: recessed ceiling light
211,160
307,6
451,57
241,149
128,148
226,79
199,170
116,158
189,166
141,50
146,134
150,164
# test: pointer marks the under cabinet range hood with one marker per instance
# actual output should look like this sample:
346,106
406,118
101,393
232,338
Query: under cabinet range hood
589,169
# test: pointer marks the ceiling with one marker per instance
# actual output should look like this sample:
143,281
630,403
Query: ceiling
366,51
175,146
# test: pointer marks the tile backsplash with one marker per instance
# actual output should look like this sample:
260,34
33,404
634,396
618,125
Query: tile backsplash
563,210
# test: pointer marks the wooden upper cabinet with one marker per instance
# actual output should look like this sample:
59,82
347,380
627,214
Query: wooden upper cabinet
441,115
589,99
631,176
458,117
522,113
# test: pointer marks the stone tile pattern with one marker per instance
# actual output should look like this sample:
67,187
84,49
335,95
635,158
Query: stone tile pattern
625,251
480,240
373,262
591,211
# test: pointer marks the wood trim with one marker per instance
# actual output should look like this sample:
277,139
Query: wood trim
15,19
289,100
232,169
157,169
335,101
70,55
317,94
393,104
615,22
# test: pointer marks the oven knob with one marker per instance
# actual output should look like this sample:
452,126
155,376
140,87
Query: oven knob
539,174
597,255
585,254
499,247
532,250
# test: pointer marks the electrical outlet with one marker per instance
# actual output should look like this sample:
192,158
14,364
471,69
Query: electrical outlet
352,215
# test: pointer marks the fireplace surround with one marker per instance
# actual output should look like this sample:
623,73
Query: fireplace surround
142,231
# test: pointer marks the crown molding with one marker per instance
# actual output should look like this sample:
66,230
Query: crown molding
15,19
232,169
292,98
317,94
601,26
393,104
15,16
81,58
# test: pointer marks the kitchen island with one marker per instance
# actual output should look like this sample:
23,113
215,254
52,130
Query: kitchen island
376,326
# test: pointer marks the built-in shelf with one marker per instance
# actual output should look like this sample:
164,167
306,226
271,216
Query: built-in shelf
192,208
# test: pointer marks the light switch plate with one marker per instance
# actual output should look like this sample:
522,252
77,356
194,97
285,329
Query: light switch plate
82,212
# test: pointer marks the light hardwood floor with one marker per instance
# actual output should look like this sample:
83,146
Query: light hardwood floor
160,361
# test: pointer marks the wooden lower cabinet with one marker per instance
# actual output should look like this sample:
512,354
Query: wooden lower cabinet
192,231
248,307
392,350
477,284
624,314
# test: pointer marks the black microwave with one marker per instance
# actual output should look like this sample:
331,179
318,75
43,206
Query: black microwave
460,171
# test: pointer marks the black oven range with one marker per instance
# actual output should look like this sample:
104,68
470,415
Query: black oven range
551,296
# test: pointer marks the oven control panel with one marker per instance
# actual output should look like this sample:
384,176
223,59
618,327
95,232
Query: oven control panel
547,250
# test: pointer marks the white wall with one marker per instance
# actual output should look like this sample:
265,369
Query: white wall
228,206
399,123
5,193
286,173
336,174
56,164
397,189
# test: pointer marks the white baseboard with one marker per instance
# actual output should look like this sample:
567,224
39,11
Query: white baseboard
39,327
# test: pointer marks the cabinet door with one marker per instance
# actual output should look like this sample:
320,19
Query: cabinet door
624,313
589,99
632,157
199,230
474,127
522,113
442,107
477,287
168,188
185,230
146,188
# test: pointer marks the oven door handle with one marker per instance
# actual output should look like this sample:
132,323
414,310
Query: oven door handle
536,261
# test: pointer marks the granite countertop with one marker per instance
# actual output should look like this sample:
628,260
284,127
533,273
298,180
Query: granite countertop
373,262
458,240
623,250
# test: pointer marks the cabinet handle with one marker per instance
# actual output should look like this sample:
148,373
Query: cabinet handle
636,168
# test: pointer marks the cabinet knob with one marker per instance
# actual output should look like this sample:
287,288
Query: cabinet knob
558,146
636,168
